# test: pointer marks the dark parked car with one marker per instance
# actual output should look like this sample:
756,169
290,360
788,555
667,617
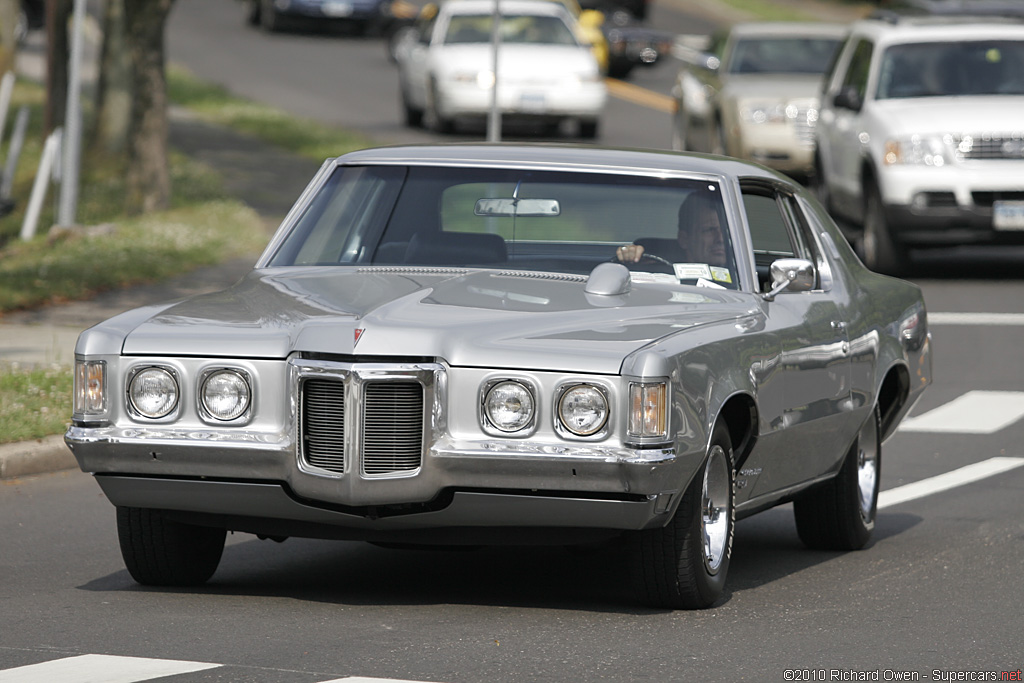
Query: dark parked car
466,344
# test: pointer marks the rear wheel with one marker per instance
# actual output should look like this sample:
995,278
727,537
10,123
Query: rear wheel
412,116
270,19
684,564
841,515
161,552
881,252
588,129
435,121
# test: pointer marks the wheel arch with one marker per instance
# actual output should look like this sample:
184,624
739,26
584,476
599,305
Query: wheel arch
740,415
893,394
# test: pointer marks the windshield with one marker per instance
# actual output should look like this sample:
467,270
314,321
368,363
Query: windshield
985,67
513,219
524,29
785,55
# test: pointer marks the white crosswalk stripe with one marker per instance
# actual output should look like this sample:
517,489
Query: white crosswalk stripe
116,669
976,412
100,669
944,482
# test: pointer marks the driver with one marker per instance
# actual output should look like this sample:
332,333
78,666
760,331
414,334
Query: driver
701,235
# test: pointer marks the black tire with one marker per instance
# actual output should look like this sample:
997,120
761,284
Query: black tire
881,252
270,19
435,121
841,515
252,15
412,116
588,129
672,566
160,552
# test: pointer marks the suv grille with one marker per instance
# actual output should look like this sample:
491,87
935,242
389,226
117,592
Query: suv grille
390,429
990,146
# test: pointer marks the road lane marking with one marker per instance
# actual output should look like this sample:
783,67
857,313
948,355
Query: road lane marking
642,96
976,412
976,318
949,480
100,669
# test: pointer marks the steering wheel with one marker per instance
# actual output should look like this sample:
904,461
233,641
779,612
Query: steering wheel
645,256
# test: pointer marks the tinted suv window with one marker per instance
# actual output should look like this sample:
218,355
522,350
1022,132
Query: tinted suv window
858,69
989,67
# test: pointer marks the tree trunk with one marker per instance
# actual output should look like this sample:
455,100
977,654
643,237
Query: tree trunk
58,51
114,87
149,179
8,46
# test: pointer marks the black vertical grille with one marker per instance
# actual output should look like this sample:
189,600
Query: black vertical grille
323,424
392,427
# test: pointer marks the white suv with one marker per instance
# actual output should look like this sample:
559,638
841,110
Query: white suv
920,140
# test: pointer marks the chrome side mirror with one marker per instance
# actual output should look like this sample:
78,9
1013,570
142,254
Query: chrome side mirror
790,275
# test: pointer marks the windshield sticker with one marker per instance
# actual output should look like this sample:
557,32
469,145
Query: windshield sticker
692,271
640,276
720,274
708,283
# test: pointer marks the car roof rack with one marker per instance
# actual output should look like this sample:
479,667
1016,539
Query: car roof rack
898,10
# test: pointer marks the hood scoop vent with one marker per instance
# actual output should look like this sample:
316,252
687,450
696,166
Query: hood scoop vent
608,279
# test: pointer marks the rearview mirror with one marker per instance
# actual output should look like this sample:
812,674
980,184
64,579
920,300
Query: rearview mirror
521,208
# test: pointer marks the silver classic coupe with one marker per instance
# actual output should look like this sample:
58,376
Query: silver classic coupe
525,344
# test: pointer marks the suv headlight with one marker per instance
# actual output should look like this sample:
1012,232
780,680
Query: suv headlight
919,150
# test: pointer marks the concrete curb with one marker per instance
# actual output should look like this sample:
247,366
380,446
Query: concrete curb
48,454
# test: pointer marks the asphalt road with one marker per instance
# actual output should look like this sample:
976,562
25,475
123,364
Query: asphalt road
936,595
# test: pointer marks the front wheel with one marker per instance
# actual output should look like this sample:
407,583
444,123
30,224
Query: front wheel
161,552
683,565
841,515
882,253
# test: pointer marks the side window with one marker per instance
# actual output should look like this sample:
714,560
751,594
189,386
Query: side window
777,230
857,71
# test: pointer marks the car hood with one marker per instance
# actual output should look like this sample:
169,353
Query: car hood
976,114
772,87
467,318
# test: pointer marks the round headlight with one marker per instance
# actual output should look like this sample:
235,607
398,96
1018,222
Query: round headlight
153,392
583,409
509,406
225,395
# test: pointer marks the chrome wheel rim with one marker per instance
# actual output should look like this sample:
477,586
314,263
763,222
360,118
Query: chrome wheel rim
867,467
715,509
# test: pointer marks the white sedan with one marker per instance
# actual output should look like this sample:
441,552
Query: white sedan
546,72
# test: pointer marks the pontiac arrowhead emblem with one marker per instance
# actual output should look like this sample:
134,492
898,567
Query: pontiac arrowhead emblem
358,334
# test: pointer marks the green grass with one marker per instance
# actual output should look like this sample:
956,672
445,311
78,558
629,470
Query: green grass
113,250
33,402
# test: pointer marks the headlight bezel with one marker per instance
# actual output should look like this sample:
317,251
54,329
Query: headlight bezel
487,421
206,413
601,430
130,400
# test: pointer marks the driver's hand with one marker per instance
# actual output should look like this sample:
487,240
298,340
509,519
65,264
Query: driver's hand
629,253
